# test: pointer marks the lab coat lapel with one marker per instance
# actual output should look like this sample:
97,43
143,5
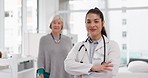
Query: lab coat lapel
87,46
101,44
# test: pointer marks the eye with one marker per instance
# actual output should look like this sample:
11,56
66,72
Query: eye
88,21
96,21
54,22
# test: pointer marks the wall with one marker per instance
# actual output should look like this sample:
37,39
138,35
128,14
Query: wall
47,8
31,43
1,24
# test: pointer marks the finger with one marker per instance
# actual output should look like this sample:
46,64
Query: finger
109,62
110,65
107,65
108,68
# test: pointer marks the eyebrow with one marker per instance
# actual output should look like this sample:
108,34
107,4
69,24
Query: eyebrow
97,19
94,19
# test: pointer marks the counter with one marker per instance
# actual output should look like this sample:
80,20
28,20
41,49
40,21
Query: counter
17,68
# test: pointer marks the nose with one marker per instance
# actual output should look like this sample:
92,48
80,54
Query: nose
92,24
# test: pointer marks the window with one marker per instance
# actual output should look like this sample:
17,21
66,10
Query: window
124,34
132,44
31,16
13,25
137,33
75,15
124,46
123,21
14,19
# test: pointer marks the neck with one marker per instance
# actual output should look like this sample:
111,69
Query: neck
57,41
55,34
95,38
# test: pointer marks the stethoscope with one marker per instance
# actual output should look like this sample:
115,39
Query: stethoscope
90,41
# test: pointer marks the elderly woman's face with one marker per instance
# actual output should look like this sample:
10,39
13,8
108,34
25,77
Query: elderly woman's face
56,25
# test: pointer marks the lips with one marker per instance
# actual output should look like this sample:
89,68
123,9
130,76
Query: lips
92,30
56,28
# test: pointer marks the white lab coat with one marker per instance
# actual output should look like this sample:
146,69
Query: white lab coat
74,67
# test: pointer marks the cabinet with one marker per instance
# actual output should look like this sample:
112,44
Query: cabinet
17,68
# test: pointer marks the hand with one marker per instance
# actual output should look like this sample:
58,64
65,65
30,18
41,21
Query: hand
41,76
104,67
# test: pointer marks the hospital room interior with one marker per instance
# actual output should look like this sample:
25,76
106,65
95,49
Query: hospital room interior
24,22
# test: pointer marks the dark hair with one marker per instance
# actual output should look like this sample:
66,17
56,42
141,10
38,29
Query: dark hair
99,13
0,54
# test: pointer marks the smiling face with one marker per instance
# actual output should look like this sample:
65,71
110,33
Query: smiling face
94,25
56,25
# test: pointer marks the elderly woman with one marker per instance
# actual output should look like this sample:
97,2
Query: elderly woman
53,49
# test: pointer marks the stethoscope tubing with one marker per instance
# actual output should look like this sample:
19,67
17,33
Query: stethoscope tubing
86,49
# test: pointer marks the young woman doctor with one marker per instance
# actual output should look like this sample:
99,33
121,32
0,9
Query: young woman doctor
97,56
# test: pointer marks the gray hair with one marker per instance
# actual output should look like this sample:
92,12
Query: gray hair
55,18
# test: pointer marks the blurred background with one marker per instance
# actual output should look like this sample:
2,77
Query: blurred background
23,22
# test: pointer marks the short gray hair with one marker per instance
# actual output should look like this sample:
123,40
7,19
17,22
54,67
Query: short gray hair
55,18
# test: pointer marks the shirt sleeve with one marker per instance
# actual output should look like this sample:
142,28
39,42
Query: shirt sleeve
40,71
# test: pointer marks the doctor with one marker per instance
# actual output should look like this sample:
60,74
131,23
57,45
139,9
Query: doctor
97,56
